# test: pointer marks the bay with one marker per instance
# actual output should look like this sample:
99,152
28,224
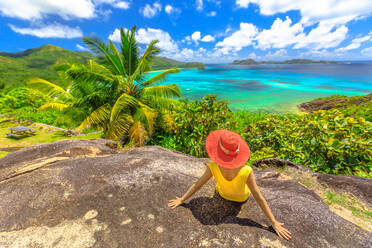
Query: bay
274,88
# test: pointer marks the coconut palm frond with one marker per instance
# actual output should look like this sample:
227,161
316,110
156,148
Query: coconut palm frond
119,127
138,133
117,58
129,50
161,103
146,115
169,90
159,77
124,103
166,121
145,61
55,105
97,117
53,89
89,74
61,66
105,55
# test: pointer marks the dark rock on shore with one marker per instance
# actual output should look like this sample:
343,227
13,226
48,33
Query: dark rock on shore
82,193
339,102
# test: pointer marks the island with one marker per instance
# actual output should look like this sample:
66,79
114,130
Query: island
291,61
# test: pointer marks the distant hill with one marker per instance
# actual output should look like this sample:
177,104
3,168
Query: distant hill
291,61
18,68
163,63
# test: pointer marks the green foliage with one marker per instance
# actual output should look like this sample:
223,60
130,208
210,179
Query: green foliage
23,103
22,97
326,141
364,110
193,122
243,118
355,106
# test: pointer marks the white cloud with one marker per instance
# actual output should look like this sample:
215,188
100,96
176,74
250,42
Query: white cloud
187,54
281,34
196,36
171,10
336,11
145,36
212,13
239,39
150,11
323,37
367,51
55,30
355,43
33,10
115,36
80,47
114,3
208,38
243,3
276,55
122,5
29,9
252,56
166,43
199,5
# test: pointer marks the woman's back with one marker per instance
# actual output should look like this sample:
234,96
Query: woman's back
235,189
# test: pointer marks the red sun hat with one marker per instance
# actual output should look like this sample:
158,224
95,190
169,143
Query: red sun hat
227,149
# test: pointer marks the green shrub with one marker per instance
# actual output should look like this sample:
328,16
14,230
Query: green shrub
23,97
326,141
356,110
193,122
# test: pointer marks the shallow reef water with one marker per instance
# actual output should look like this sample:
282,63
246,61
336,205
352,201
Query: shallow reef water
271,87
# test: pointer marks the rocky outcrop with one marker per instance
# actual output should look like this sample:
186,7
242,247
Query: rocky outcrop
83,193
339,102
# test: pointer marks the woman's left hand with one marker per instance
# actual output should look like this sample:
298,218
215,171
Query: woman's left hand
175,203
281,231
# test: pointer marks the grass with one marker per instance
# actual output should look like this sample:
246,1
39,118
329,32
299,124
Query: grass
8,145
350,203
345,205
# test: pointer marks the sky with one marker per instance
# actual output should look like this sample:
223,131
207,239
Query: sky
209,31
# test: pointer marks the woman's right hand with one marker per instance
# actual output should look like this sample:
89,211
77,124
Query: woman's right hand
175,203
281,231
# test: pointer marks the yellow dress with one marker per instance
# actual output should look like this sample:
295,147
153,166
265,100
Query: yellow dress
234,190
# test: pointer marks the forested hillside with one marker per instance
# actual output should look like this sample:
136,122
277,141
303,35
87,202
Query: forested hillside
18,68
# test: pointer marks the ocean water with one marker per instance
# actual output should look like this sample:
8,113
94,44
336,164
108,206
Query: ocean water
274,88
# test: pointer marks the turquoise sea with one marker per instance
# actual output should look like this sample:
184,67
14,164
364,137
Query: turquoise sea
275,88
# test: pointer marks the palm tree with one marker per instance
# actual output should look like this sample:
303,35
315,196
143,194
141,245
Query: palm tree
135,101
82,98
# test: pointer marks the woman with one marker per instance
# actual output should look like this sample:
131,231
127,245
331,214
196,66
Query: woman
235,180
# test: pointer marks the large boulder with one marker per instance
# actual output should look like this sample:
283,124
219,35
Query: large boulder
84,193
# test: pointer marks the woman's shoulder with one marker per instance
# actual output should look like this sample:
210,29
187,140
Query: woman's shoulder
211,164
247,169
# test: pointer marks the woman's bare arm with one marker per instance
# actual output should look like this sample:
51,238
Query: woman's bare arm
193,188
280,230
